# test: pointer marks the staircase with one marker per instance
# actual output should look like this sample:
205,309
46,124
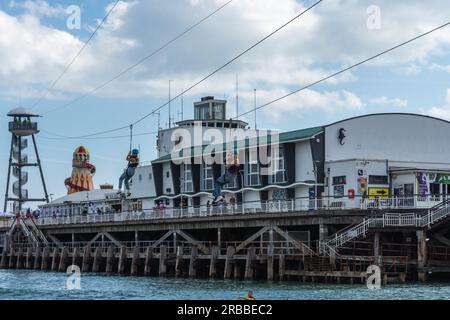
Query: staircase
30,230
390,220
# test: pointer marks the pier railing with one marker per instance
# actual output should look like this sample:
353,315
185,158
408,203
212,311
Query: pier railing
388,220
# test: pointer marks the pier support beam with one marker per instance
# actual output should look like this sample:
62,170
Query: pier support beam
55,259
179,262
148,261
122,260
97,260
75,256
323,231
228,262
377,249
12,255
193,262
421,255
19,262
270,251
3,262
29,258
215,251
249,264
135,261
45,256
281,266
63,261
37,258
86,259
109,260
163,261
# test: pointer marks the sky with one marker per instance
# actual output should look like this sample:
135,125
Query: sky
36,43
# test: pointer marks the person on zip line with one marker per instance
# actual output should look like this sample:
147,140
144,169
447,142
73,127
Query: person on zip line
128,173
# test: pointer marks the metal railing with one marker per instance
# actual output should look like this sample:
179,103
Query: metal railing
253,207
387,220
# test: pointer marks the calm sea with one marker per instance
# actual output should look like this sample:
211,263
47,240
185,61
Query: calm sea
36,285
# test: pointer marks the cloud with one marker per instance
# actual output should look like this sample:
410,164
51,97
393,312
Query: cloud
330,101
385,101
331,36
39,8
439,67
442,112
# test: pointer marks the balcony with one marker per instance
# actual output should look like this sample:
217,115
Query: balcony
23,129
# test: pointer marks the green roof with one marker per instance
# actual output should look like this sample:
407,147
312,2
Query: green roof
284,138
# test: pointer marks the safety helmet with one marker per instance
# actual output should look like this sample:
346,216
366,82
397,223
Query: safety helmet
135,151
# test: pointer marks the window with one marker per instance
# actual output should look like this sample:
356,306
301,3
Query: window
187,184
278,167
339,180
208,178
167,174
434,189
378,180
150,176
253,178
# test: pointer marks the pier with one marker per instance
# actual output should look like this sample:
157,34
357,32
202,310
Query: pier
330,246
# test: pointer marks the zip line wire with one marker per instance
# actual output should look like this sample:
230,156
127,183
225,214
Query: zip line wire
345,70
66,69
206,77
133,66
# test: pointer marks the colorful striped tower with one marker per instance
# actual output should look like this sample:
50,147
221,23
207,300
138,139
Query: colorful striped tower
82,172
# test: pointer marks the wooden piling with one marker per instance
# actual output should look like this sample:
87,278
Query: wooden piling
228,262
122,260
19,261
4,261
75,256
193,262
421,255
55,259
109,260
148,261
45,255
11,258
135,262
249,263
270,251
29,258
63,261
163,261
179,262
86,259
215,251
37,258
281,266
97,260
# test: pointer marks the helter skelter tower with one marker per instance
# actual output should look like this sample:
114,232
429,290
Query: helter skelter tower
21,127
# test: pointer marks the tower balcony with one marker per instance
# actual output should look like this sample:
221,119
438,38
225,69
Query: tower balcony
23,129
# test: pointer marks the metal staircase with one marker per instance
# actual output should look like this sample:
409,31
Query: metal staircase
428,220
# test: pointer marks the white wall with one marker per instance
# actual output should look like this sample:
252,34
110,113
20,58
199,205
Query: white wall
304,170
350,169
167,181
404,138
144,187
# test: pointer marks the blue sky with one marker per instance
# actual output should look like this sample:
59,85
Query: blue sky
35,45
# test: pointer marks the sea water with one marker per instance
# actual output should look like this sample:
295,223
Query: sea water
37,285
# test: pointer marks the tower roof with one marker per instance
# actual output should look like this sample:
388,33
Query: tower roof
22,112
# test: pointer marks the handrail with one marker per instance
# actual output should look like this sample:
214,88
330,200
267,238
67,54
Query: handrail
437,213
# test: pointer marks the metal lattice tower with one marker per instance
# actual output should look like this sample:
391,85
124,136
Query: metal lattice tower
22,127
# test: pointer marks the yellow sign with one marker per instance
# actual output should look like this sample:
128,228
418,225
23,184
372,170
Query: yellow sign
381,193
